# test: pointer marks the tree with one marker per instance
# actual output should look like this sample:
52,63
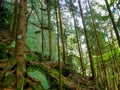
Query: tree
98,46
20,44
88,44
58,43
113,22
62,34
49,28
14,21
42,23
77,37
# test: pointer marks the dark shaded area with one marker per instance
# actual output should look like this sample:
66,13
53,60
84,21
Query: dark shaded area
5,16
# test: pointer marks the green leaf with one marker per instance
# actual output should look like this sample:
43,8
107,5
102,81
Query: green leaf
39,76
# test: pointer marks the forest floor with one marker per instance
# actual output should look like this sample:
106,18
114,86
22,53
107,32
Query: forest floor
71,79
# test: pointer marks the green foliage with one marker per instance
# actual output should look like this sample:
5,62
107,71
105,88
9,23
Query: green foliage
2,47
111,77
56,72
36,74
105,18
8,80
101,86
74,62
31,58
12,44
38,54
5,16
3,54
107,57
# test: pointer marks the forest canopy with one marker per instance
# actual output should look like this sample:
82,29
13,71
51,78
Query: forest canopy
59,44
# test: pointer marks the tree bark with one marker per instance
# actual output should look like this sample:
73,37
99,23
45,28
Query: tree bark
79,49
99,47
49,29
113,22
58,44
20,44
42,23
88,44
14,21
62,34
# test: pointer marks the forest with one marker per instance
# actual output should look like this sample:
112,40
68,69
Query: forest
59,44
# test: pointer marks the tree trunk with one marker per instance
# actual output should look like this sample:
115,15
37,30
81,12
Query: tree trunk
115,64
42,23
49,29
113,22
88,44
113,60
62,34
58,41
79,49
20,44
99,47
14,21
